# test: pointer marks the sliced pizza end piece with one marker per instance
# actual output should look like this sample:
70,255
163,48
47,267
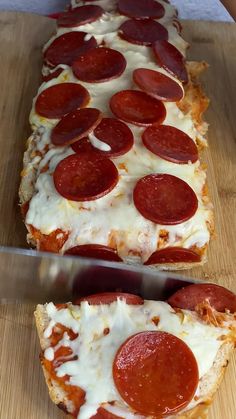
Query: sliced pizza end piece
208,384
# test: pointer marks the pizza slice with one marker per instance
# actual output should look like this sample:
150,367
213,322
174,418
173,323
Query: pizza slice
115,355
112,168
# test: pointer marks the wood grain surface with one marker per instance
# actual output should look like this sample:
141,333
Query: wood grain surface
23,393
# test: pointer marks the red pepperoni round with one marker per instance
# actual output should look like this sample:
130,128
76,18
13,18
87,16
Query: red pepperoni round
94,251
110,297
165,199
173,255
112,132
54,15
60,99
83,146
53,75
137,108
142,32
218,297
170,59
68,47
155,373
75,125
99,65
170,144
85,177
80,16
141,9
158,85
104,414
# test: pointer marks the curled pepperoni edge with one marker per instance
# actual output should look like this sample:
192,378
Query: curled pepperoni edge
119,111
54,53
131,25
156,146
82,73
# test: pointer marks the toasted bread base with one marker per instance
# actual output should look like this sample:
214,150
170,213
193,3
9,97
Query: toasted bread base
209,383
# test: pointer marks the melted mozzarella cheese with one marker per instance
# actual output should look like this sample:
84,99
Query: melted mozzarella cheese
114,216
98,143
93,370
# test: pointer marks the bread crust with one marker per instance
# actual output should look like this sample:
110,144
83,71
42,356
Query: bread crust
209,383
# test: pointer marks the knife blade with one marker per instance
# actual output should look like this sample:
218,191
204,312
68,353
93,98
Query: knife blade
28,275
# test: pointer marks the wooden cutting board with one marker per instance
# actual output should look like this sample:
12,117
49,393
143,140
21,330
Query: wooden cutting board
23,393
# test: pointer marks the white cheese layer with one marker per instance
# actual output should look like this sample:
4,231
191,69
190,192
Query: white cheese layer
114,217
93,370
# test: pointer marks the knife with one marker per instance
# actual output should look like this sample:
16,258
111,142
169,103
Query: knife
28,275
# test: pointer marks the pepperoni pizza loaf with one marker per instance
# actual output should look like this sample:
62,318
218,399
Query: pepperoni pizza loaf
116,356
112,168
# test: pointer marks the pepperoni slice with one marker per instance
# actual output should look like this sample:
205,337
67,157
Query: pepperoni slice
137,107
83,146
84,177
80,16
170,144
173,255
75,125
68,47
155,373
54,15
218,297
142,32
110,297
94,251
169,57
100,279
112,132
116,134
158,85
99,65
60,99
141,9
165,199
53,75
104,414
